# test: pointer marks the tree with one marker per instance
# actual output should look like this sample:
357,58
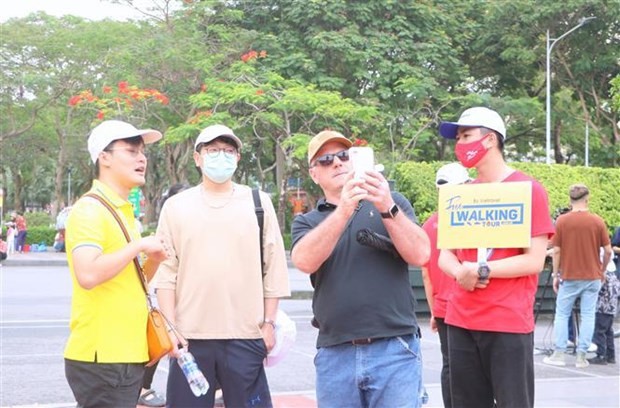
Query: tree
275,116
397,55
509,57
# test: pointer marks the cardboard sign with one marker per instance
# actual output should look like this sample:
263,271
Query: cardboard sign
485,215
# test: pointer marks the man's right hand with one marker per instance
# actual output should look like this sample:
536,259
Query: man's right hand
153,246
352,193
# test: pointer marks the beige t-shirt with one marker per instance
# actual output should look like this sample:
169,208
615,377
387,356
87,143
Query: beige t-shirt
214,266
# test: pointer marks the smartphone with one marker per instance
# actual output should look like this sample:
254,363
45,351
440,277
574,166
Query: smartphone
363,159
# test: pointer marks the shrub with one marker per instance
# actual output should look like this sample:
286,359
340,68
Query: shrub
38,219
287,240
417,182
36,235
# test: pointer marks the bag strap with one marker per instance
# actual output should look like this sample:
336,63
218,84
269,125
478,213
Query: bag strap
260,218
136,262
139,269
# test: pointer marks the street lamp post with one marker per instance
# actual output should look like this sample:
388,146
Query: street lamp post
550,43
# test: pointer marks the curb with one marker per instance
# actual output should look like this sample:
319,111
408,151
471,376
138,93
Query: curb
300,294
61,262
32,262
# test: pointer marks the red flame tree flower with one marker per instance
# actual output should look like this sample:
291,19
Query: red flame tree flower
124,101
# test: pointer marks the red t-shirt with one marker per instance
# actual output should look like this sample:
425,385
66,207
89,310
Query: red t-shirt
20,223
505,305
442,283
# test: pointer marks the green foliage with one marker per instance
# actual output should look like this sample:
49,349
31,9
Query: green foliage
39,234
384,70
615,93
417,182
38,219
288,240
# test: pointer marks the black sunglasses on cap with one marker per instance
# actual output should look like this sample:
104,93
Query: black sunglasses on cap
328,159
441,182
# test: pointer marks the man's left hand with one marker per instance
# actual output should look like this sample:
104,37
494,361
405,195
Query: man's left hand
378,190
467,277
269,336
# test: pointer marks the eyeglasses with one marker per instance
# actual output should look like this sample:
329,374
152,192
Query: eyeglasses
215,151
133,151
441,181
328,159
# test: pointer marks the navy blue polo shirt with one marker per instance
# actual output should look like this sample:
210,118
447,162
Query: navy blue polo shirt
360,291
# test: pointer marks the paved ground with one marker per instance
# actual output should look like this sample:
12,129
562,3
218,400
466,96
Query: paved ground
292,381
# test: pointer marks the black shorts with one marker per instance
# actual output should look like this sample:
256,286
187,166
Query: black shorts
236,365
104,384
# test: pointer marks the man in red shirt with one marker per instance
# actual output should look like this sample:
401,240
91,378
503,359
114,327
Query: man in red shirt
22,231
491,321
437,284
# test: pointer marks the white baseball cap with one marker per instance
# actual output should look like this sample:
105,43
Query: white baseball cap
213,132
110,130
474,117
451,173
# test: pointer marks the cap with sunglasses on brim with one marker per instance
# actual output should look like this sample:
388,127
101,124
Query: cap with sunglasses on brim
212,132
324,137
110,130
452,173
474,117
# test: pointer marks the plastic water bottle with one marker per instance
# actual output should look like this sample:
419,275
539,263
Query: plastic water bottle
196,379
423,396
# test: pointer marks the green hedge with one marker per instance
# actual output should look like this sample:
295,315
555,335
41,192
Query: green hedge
417,182
36,235
38,219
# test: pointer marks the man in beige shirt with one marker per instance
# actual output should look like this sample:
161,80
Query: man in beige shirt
212,287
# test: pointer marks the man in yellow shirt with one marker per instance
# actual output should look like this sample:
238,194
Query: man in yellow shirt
107,349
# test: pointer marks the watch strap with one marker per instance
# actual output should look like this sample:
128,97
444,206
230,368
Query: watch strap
391,213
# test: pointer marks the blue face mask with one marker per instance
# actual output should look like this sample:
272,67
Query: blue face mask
220,168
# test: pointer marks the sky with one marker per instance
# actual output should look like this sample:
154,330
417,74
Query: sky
91,9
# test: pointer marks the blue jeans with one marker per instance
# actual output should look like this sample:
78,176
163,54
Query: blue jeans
386,373
569,291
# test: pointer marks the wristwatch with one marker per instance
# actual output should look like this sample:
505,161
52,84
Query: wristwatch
268,321
483,271
391,213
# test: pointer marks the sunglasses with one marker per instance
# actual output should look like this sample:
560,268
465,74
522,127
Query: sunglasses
328,159
441,182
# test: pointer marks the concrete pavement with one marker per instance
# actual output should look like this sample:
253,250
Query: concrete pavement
299,282
293,380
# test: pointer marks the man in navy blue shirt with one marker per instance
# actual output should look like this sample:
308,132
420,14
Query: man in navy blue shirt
368,344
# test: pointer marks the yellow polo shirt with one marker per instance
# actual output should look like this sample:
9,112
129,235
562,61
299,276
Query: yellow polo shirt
108,322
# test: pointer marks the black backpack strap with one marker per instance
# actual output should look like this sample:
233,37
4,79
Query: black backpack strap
260,217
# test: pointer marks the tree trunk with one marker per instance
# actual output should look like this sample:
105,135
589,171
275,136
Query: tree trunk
61,165
557,146
17,191
281,175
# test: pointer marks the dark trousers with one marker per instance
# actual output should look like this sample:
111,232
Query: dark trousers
100,385
237,365
149,373
20,240
442,329
489,369
604,336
